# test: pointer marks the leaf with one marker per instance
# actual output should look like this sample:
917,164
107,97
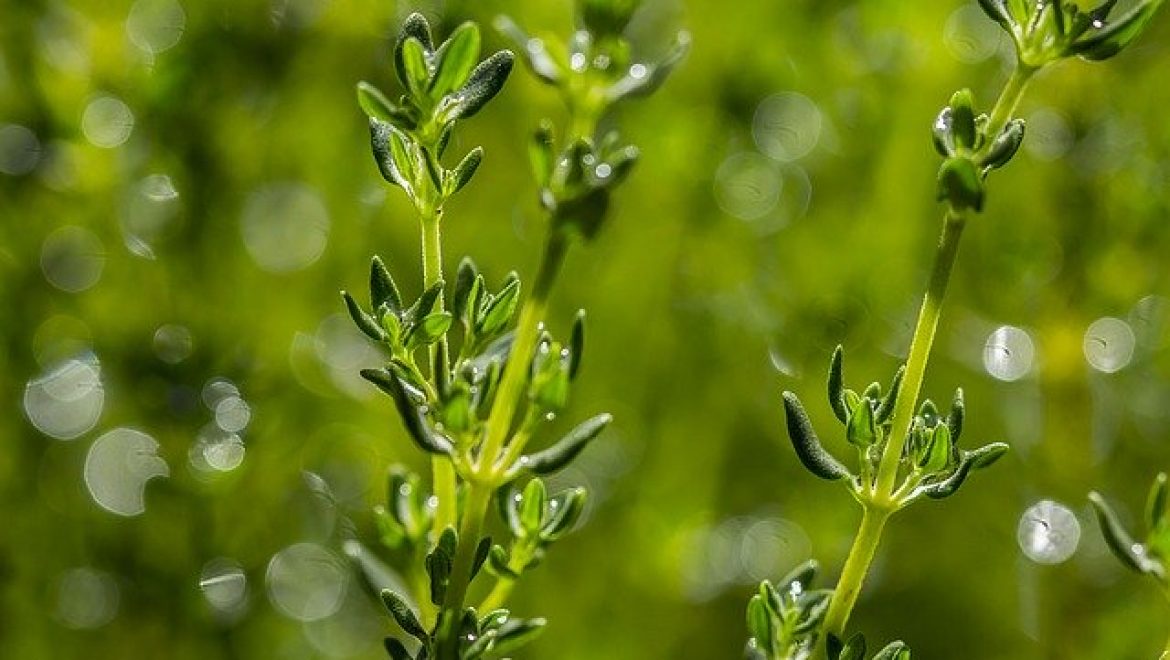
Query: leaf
383,290
564,511
1005,145
465,170
803,575
643,79
364,321
998,11
415,27
568,447
861,431
464,280
808,447
481,555
498,563
987,455
532,506
894,651
485,81
956,415
496,314
516,633
388,147
396,650
576,344
837,385
759,624
960,183
431,328
541,153
405,616
1117,537
455,59
1116,35
886,410
439,563
413,416
534,51
414,62
428,302
377,106
1156,502
938,452
963,119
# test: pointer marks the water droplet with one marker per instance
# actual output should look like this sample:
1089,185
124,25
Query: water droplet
73,258
1049,533
969,36
1008,353
747,186
117,468
1109,344
20,151
107,122
285,227
66,401
1049,135
577,62
156,25
86,598
224,584
638,71
787,126
306,582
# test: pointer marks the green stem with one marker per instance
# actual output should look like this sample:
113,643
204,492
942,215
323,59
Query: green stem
515,376
443,472
1166,652
422,587
924,330
498,595
1009,100
479,497
865,544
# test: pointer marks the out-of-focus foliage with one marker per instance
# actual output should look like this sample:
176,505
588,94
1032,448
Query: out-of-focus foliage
184,184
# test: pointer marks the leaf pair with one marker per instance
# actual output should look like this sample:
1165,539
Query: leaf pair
1052,29
1152,555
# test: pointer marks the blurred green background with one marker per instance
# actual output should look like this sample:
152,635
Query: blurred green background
186,447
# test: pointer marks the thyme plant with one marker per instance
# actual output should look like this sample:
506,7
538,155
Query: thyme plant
1150,556
906,449
471,369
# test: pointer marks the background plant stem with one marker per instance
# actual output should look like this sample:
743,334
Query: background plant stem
479,496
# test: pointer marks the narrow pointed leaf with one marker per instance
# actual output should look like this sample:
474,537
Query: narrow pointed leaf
466,169
808,447
567,448
576,344
383,290
364,321
405,616
1156,503
486,80
455,59
1116,536
837,386
1117,34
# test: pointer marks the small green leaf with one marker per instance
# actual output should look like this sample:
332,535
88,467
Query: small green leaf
428,303
388,146
837,385
1117,537
455,59
431,328
808,447
396,650
434,168
997,11
961,184
1103,43
498,563
415,27
564,510
440,562
481,554
886,410
466,169
364,321
861,430
1005,145
956,415
759,624
496,314
534,51
464,281
567,448
644,78
576,344
963,119
515,634
532,505
376,105
938,451
987,455
405,616
485,81
413,416
541,153
414,62
1156,503
383,291
803,575
894,651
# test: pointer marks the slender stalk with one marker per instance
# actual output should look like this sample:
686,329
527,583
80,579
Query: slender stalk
422,587
479,496
442,471
1166,653
498,595
924,330
1009,99
865,544
515,374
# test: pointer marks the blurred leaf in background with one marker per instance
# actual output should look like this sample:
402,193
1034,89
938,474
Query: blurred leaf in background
189,457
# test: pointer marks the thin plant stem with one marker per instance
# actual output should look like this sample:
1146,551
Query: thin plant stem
442,470
1166,652
1009,100
924,331
478,498
498,595
865,545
